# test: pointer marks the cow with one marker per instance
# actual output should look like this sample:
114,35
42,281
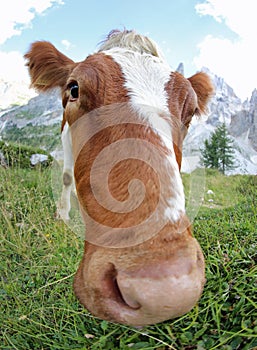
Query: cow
125,115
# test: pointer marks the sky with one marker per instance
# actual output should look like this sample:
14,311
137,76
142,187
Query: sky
217,34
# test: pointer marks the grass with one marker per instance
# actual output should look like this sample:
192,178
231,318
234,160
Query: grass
34,135
40,256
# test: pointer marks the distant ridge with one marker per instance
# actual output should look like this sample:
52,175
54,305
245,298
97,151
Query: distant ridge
36,121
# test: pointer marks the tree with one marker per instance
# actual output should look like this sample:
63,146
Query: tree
218,152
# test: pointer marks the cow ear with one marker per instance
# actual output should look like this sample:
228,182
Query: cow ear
48,67
203,88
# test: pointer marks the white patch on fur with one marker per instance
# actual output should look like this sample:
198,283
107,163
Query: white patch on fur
67,148
175,204
145,79
63,205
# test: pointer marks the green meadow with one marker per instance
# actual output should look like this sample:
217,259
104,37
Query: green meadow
39,256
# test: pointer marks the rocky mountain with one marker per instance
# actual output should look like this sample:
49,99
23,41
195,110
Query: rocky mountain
241,121
37,123
244,122
14,93
43,109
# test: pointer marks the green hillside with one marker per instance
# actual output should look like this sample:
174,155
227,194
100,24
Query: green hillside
37,136
39,256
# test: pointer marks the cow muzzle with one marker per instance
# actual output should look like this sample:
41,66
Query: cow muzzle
146,293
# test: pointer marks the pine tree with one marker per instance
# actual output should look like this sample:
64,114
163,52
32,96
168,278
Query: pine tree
218,152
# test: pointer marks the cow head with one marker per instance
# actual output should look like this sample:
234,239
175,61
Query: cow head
141,264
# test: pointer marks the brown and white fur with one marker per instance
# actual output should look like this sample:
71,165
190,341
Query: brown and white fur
125,93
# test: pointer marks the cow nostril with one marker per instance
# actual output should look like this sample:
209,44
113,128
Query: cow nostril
121,299
111,286
117,291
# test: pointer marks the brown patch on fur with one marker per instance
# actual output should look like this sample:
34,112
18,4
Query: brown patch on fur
119,177
48,67
67,179
100,83
188,96
203,88
182,102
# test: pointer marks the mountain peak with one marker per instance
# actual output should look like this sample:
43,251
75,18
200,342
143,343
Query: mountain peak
253,98
180,68
13,93
42,116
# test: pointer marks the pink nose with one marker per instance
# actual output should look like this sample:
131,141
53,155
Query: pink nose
155,293
157,286
159,292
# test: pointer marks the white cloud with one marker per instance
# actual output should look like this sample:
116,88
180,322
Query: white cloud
66,44
18,15
12,67
234,60
14,80
14,18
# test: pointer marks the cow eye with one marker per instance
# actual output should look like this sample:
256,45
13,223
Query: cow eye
74,90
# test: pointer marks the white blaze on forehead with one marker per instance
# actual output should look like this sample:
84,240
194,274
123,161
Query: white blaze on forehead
145,79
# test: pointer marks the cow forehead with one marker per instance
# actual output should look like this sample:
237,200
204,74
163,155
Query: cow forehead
145,77
121,75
